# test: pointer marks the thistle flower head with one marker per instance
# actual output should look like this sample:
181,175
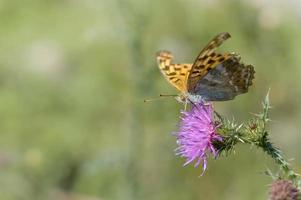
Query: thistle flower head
283,190
197,132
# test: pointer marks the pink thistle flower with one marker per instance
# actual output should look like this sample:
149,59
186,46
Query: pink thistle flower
197,132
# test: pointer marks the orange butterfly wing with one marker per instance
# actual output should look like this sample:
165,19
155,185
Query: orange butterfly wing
175,74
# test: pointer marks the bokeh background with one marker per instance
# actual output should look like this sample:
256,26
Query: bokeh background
73,76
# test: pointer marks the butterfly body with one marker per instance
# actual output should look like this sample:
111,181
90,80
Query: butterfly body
212,77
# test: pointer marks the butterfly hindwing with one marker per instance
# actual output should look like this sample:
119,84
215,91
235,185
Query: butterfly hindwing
227,80
207,60
175,74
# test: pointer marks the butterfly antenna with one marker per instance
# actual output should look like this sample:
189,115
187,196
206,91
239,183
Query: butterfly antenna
168,95
160,97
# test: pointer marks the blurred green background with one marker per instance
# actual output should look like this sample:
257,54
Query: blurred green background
73,76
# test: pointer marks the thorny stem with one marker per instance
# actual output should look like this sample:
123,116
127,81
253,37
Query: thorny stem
254,133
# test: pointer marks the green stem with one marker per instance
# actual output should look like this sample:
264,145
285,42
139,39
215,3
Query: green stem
255,133
275,153
235,136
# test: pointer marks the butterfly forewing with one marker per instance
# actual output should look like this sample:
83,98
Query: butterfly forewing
214,43
175,74
207,60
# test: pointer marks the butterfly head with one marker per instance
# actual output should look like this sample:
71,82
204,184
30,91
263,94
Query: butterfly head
181,98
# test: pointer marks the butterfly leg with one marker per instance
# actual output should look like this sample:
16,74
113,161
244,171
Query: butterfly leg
204,102
188,101
185,105
207,103
218,116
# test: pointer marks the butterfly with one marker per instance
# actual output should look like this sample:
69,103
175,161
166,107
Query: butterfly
212,76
